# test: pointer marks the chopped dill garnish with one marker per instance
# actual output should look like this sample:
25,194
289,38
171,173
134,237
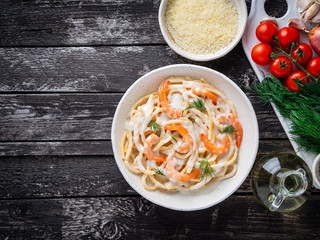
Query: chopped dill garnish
302,108
206,169
174,139
198,104
228,129
154,126
158,171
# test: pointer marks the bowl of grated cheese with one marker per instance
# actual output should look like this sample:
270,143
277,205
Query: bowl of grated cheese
202,30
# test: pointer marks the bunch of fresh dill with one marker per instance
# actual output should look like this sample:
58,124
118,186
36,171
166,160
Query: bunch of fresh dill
303,108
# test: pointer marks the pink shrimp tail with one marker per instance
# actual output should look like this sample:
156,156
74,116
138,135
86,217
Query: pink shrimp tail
178,175
170,111
216,149
205,92
187,143
232,120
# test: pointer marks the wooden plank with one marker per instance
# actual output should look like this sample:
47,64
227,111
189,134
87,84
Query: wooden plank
57,116
65,148
48,176
96,148
43,23
61,176
66,117
136,218
100,69
78,22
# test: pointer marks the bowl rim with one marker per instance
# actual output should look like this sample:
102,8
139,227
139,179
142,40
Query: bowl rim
315,166
119,160
200,57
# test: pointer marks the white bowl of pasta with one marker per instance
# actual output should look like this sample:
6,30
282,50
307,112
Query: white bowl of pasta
185,137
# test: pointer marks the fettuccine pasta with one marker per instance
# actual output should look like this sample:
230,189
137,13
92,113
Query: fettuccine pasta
183,136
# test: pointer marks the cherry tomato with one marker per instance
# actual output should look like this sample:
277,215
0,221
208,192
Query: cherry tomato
287,35
280,67
265,31
313,67
260,54
302,53
294,78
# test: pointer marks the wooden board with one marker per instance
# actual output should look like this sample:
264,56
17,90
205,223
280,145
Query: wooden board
136,218
85,22
249,40
99,69
58,148
64,66
61,23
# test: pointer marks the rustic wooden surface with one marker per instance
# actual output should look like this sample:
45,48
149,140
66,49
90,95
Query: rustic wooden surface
64,66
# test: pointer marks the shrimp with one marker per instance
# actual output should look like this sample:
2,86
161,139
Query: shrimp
216,149
178,175
170,111
232,120
187,142
150,141
205,92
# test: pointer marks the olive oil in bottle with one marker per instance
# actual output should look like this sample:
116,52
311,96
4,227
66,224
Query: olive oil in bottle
281,181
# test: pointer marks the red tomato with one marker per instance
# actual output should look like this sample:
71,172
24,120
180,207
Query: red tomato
302,53
294,78
280,67
287,35
260,54
313,67
265,31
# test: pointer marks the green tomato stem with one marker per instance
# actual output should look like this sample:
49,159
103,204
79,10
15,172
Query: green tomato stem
302,68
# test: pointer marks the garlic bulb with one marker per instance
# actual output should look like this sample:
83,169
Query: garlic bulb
309,10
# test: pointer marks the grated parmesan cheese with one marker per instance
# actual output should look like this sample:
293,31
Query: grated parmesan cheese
202,26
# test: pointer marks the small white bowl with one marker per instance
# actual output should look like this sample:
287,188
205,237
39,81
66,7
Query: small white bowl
315,172
212,193
243,15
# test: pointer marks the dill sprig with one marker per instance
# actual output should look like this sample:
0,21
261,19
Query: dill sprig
303,108
173,137
158,171
306,134
228,129
198,104
154,127
205,169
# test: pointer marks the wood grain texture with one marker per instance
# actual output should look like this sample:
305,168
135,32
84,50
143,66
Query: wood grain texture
100,69
57,116
64,148
85,22
46,176
136,218
66,117
97,148
67,176
82,22
64,65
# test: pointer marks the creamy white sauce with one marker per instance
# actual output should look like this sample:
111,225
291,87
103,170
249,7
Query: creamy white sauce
195,122
176,100
163,119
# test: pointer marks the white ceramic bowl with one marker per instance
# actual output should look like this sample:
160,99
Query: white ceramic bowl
315,172
212,193
243,15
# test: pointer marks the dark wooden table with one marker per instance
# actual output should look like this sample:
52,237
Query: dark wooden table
64,65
